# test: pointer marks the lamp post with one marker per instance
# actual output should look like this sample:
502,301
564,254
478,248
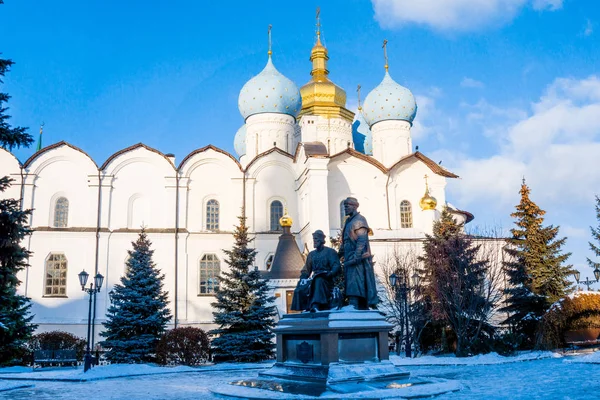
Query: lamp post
403,288
587,281
92,290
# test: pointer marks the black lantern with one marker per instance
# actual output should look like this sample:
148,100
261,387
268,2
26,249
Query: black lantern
393,279
98,280
83,277
577,275
415,279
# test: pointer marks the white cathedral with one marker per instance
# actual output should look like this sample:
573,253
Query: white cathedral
301,152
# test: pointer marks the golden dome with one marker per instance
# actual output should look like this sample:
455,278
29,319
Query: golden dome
428,202
286,220
320,96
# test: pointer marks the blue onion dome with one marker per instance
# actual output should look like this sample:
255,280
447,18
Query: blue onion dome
389,101
269,92
239,142
361,134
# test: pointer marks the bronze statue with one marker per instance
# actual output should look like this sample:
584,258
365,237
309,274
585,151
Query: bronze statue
316,279
361,289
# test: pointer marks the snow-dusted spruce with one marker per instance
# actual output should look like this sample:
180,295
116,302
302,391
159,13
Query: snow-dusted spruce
15,320
595,247
244,308
138,314
536,270
454,283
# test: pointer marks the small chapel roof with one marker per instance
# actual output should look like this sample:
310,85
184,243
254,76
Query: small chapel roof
288,261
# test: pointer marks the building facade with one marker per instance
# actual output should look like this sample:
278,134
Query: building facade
300,152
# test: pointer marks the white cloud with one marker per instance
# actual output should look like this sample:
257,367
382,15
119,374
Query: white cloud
555,146
471,83
460,15
589,28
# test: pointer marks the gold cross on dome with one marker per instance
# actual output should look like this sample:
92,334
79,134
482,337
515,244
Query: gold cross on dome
385,42
270,52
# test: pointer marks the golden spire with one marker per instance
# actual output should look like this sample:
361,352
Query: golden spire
385,42
270,52
428,202
358,94
320,96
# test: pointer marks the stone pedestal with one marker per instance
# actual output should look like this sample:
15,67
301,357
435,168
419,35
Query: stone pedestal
332,347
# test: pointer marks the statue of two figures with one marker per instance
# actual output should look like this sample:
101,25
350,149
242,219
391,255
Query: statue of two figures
315,290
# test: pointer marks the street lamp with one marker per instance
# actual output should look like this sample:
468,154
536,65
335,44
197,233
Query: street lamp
92,290
587,281
401,286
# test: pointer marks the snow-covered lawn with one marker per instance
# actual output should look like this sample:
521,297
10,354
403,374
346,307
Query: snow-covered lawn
71,374
491,377
483,359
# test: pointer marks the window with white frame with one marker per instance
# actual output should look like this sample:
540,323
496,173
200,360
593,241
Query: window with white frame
276,210
55,283
406,219
209,271
212,215
61,212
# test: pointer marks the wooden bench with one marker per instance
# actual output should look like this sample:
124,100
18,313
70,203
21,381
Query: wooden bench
54,357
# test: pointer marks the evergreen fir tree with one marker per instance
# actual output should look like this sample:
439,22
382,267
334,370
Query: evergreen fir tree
535,268
244,309
139,312
15,320
595,248
454,282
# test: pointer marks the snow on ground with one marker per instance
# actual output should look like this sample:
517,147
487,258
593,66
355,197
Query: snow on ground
593,358
544,378
12,385
483,359
115,371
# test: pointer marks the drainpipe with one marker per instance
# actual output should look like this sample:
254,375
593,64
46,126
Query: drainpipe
97,257
176,242
387,198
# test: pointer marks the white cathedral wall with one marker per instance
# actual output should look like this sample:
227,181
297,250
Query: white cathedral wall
408,183
9,166
270,178
139,194
349,176
59,312
211,176
62,172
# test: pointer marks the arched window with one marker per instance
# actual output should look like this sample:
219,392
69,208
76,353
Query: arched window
212,215
276,214
56,276
406,220
209,270
342,214
61,212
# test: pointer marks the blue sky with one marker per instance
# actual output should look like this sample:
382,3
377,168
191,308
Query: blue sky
506,88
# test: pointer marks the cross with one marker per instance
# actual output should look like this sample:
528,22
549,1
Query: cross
358,91
318,23
426,185
385,42
270,52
